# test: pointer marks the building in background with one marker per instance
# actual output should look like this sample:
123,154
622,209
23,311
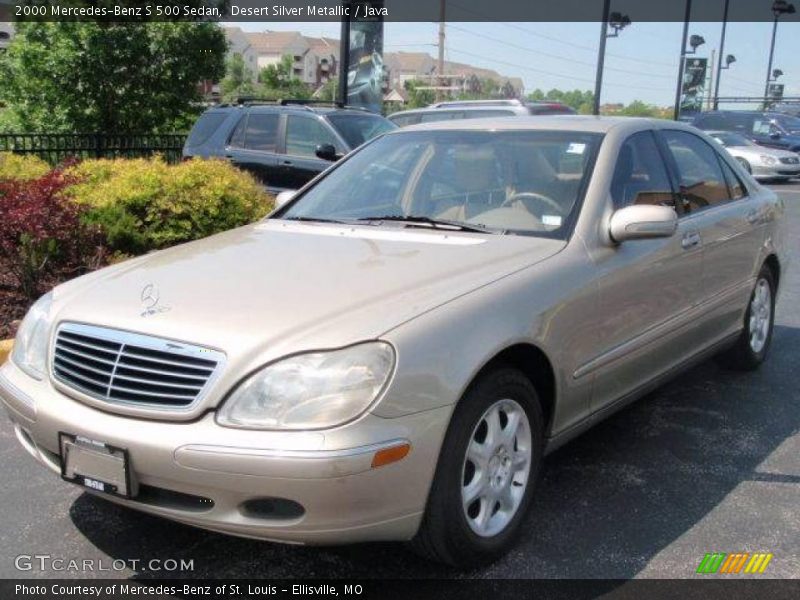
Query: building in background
316,61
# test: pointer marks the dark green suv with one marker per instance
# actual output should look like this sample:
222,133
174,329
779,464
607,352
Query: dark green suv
285,144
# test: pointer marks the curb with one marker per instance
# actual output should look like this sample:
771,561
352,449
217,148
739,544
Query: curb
5,349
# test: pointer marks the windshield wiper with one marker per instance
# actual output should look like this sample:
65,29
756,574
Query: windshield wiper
319,220
419,220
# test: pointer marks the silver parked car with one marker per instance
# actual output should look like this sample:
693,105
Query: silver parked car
477,109
390,354
764,163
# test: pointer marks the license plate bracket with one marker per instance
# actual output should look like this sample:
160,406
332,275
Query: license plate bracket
95,465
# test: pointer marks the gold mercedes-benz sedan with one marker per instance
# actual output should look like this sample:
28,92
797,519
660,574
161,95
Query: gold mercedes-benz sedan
391,352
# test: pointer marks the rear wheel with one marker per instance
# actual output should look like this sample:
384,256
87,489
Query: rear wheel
486,473
751,347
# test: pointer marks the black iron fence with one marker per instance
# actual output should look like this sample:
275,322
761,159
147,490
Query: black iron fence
55,148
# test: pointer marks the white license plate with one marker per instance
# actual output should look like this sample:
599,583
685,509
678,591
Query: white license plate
95,465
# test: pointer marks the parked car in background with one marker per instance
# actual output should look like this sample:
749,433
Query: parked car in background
285,144
389,354
788,108
770,129
762,162
477,109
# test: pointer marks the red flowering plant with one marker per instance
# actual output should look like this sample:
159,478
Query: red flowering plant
42,237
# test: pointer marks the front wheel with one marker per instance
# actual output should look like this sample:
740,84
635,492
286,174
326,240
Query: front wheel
487,469
751,347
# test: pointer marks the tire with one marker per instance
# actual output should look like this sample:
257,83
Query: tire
745,165
752,346
454,530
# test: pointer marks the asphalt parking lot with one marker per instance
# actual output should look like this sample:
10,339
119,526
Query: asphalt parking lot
710,462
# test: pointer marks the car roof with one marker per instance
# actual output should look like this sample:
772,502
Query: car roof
584,123
297,108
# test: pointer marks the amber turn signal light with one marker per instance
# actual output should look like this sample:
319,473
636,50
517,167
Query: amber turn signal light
389,455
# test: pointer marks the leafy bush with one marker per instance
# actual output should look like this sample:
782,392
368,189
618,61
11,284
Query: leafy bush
42,234
146,204
21,167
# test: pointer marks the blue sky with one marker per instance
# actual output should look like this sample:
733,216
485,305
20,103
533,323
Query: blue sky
641,64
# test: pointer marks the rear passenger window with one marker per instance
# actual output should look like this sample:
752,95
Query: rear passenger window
261,133
640,176
702,184
735,186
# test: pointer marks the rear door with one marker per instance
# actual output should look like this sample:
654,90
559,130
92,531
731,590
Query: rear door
299,162
253,146
728,222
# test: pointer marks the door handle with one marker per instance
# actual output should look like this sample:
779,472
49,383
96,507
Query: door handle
287,162
690,240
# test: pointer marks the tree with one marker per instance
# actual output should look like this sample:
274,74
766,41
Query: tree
109,77
279,81
238,79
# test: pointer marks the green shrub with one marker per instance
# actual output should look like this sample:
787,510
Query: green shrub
21,167
146,204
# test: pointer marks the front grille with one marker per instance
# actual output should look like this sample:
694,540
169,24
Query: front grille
121,367
790,160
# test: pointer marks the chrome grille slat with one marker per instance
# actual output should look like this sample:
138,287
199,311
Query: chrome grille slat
164,362
159,383
137,370
83,377
58,357
164,373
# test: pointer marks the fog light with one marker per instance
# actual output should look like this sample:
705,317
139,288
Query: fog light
389,455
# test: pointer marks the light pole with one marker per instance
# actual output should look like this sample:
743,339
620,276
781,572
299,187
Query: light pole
779,7
618,22
721,54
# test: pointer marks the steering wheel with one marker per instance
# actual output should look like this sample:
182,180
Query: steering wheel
532,196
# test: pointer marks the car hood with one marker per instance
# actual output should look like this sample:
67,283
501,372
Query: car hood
277,287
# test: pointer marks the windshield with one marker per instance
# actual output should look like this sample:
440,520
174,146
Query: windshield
357,129
732,139
527,182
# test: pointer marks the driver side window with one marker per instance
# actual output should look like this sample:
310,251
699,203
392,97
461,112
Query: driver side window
640,176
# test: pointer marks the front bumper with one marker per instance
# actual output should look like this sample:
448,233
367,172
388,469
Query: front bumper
212,477
778,171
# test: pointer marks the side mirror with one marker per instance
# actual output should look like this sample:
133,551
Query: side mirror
284,197
775,135
642,222
326,152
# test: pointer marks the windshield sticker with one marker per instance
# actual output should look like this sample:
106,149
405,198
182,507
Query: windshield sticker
551,220
576,148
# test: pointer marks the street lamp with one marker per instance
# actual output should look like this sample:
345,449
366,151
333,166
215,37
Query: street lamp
775,74
618,22
779,7
721,50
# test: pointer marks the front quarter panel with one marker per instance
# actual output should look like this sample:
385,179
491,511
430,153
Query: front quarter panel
548,305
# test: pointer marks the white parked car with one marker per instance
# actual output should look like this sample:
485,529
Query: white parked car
763,163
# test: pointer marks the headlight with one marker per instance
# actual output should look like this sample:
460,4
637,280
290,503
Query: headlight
351,76
311,391
768,160
30,345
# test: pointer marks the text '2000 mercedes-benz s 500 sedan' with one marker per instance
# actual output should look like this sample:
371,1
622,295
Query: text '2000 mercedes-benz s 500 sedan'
389,354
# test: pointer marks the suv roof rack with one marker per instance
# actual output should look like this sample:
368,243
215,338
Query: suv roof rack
314,102
303,103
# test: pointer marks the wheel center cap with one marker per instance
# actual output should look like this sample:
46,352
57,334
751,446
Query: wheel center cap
499,469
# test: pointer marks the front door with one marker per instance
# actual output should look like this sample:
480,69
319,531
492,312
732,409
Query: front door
648,289
299,163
